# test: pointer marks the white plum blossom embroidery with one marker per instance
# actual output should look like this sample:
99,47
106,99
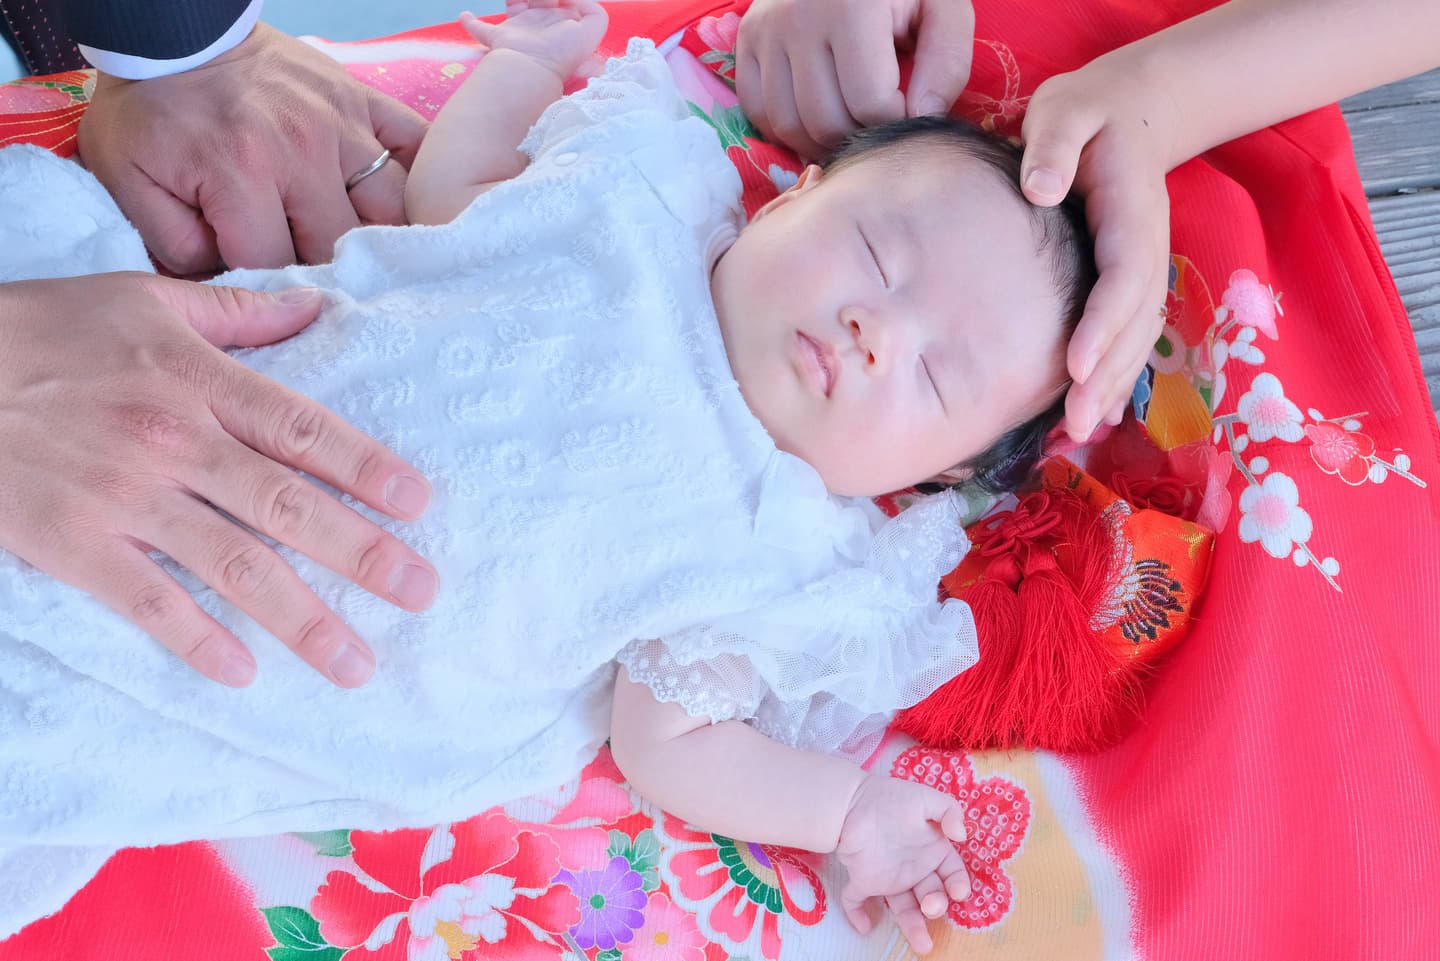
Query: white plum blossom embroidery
1266,412
1271,514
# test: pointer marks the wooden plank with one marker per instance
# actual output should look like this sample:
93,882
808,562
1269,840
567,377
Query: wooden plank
1397,148
1424,88
1409,232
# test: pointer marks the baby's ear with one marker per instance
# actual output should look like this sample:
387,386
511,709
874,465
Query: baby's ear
810,178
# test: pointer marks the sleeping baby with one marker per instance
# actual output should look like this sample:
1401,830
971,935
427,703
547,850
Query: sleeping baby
654,435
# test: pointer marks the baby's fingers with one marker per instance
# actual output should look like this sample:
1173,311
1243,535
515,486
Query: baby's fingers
911,921
930,894
479,29
952,822
954,876
857,911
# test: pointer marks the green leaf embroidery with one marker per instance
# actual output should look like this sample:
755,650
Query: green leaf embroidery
643,854
726,70
330,844
619,845
298,934
610,954
76,94
644,857
730,123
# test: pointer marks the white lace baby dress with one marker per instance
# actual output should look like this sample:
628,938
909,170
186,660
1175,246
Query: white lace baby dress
551,360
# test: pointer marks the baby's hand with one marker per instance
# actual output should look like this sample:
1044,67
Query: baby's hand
898,843
558,34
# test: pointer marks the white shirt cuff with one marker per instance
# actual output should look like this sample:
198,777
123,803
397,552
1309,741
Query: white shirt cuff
130,67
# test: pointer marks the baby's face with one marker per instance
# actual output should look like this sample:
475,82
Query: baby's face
892,318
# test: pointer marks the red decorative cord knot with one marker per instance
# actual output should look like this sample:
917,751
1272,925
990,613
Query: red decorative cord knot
1164,494
1005,533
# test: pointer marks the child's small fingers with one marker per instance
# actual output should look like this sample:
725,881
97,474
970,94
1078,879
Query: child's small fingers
858,914
590,8
930,894
478,29
1054,136
910,920
955,875
952,823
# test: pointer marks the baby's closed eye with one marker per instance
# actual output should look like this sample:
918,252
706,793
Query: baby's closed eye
874,257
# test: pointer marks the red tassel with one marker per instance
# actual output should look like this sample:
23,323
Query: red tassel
1045,679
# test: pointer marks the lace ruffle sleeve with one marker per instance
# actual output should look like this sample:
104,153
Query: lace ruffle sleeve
637,85
824,666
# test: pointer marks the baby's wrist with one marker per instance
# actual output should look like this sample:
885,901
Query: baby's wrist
857,789
515,58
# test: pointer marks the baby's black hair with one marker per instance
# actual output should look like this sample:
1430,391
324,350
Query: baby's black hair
1061,232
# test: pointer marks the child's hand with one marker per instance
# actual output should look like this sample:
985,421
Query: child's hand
898,843
1108,135
558,34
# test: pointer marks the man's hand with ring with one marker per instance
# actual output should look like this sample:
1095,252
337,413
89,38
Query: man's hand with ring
245,161
137,434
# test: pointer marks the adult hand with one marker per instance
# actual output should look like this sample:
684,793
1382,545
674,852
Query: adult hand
243,161
137,433
808,72
1099,130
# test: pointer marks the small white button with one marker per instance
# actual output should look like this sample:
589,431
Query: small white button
566,159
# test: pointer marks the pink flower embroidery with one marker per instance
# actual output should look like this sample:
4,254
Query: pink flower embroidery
668,934
997,818
1339,451
719,33
573,814
1252,303
491,898
734,885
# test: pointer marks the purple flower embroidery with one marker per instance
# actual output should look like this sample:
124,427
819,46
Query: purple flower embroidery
611,903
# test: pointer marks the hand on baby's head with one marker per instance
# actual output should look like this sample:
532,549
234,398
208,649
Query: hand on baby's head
558,34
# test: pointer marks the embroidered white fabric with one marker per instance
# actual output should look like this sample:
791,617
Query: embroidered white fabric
551,360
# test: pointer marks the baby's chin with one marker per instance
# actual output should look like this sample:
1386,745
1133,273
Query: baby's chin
853,477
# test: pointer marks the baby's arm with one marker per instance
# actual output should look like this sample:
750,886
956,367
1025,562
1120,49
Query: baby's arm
893,837
471,145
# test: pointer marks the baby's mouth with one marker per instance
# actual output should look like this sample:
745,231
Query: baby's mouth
823,363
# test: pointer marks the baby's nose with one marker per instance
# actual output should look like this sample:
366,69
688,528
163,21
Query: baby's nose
873,338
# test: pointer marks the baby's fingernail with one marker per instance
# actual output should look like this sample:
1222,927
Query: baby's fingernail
350,667
237,671
413,586
407,495
1044,183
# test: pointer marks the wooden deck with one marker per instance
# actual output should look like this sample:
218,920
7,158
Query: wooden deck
1396,130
